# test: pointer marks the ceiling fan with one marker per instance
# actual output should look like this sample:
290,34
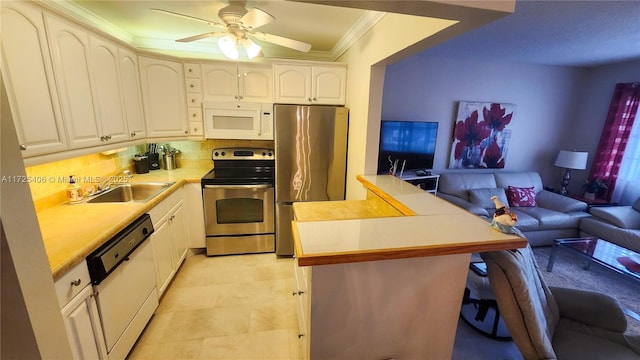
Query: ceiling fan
238,27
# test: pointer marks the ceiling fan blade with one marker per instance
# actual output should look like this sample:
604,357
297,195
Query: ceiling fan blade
201,36
212,23
254,18
283,41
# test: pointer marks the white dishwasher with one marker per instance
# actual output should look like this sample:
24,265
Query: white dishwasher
123,276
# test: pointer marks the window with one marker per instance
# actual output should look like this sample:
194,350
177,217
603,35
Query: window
627,188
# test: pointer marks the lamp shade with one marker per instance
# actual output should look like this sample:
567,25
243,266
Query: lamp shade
228,44
572,159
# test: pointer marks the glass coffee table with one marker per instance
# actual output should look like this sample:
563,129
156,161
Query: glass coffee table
611,256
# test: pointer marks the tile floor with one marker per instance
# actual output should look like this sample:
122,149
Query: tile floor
227,307
240,307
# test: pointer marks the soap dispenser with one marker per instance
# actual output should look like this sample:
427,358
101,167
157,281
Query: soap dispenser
74,191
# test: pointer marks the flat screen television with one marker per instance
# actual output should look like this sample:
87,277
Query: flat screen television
410,142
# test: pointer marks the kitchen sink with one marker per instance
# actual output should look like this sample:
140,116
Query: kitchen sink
133,192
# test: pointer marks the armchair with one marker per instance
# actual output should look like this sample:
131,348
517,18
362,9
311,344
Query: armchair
556,323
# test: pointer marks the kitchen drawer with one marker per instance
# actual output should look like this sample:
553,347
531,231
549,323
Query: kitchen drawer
193,85
196,129
162,209
192,71
194,100
72,283
195,114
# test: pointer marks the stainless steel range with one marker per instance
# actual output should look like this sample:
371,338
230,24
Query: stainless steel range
238,196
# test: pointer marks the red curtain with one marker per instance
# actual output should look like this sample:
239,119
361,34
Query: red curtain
615,134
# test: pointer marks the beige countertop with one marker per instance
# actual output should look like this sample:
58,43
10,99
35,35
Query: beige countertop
342,210
439,228
71,232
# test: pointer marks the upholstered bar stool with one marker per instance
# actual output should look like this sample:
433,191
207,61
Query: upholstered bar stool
479,307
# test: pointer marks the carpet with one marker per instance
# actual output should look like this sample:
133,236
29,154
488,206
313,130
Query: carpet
568,271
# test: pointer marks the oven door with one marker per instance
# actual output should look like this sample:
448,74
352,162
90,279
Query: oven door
238,209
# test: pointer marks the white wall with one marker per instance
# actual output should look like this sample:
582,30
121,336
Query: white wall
546,98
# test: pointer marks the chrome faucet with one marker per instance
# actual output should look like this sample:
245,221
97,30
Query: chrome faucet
128,174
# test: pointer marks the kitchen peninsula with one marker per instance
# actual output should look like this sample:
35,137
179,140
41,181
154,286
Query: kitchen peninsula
372,284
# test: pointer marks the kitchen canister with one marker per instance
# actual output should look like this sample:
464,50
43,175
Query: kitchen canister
169,161
141,163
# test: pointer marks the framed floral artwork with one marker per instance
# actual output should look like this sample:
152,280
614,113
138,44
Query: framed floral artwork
481,135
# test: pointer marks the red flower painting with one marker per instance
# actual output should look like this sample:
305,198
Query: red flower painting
481,143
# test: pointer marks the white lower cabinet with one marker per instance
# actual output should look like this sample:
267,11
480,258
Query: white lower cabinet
169,238
303,306
196,236
80,314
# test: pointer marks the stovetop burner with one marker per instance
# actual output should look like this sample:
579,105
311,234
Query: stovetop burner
241,166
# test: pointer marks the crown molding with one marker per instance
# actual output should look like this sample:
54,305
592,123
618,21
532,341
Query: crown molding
359,28
87,18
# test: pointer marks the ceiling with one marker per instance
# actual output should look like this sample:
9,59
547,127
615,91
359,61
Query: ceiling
327,28
569,33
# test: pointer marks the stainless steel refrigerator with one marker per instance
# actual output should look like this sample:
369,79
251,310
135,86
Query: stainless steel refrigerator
311,161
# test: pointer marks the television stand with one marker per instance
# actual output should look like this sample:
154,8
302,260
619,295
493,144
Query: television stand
428,183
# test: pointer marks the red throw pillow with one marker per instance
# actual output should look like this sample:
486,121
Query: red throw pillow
521,197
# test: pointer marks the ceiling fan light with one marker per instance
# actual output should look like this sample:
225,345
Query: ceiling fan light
253,50
227,44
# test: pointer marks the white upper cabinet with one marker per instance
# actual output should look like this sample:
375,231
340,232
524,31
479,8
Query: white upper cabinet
329,84
163,97
223,81
70,54
106,84
310,84
131,95
28,76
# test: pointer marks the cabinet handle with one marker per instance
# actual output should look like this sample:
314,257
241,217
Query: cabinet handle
190,70
309,99
193,100
241,97
192,86
194,115
235,97
186,132
76,282
23,147
300,336
108,137
133,134
315,99
195,129
300,292
294,293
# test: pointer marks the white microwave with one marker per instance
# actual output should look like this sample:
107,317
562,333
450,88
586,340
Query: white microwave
237,120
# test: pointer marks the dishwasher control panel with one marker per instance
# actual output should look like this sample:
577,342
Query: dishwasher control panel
111,254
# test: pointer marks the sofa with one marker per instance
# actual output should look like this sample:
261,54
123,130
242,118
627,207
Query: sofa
542,215
617,224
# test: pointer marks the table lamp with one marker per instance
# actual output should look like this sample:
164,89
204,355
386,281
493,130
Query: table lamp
570,160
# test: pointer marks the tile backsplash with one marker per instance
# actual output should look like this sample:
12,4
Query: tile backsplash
53,177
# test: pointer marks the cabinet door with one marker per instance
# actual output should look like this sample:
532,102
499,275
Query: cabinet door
293,84
106,81
220,81
131,95
162,252
163,97
70,54
195,221
28,75
256,83
82,322
178,235
329,85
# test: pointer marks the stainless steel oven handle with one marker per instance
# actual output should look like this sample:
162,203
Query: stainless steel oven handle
260,186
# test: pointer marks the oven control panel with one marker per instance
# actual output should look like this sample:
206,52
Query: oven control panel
242,154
